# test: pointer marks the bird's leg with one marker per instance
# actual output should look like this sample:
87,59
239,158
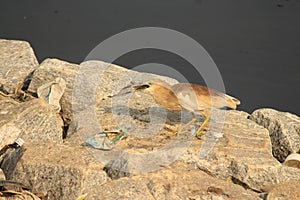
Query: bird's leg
180,129
200,129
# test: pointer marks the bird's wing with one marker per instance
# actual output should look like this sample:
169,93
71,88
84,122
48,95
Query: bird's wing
186,100
197,97
189,99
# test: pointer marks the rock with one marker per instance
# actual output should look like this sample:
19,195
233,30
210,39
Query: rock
177,181
87,84
148,163
60,171
2,175
10,160
285,190
116,169
13,131
17,61
124,188
100,101
242,150
97,90
284,131
11,157
32,120
243,153
50,70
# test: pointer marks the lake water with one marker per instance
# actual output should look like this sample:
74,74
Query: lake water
254,43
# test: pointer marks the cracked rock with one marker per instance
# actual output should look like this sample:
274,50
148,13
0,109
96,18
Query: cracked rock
32,120
284,130
50,70
60,171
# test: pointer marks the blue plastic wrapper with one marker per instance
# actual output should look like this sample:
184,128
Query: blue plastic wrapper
103,142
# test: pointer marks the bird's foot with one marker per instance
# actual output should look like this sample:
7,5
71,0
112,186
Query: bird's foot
174,131
185,128
171,131
199,133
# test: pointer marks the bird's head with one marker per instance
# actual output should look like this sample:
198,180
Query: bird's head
161,92
150,87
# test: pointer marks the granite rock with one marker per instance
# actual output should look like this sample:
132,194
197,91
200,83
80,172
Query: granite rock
102,92
284,129
59,171
236,157
234,147
50,70
285,190
177,181
2,175
241,153
32,120
17,62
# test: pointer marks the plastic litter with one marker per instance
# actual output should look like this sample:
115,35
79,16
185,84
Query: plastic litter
52,92
106,140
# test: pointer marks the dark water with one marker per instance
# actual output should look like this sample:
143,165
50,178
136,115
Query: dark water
254,43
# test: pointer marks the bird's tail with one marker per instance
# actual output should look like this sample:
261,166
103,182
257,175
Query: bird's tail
232,102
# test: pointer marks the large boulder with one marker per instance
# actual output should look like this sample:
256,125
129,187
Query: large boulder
284,129
234,147
59,171
177,181
32,120
17,63
49,71
284,190
237,156
243,153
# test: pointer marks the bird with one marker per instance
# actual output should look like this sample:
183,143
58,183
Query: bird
194,98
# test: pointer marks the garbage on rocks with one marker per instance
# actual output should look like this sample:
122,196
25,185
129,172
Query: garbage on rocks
106,140
52,92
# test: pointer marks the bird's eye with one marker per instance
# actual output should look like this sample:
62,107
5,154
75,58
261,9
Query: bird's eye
141,87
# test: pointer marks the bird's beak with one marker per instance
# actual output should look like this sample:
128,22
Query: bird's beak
139,87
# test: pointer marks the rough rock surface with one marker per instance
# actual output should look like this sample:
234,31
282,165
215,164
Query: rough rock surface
285,190
2,175
6,126
242,152
49,70
32,120
177,181
59,171
82,82
11,157
97,82
284,131
17,62
13,134
232,160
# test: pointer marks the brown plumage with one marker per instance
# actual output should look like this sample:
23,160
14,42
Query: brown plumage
184,96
